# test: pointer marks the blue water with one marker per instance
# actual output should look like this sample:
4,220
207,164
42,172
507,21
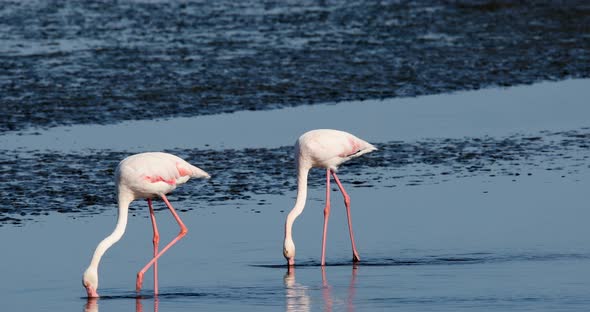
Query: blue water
474,243
79,62
474,201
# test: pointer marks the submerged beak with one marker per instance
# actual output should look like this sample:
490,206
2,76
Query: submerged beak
291,262
91,292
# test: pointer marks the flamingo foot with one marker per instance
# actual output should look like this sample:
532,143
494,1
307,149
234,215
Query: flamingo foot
139,281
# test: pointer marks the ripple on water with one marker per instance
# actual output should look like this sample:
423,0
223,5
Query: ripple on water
38,183
458,259
90,62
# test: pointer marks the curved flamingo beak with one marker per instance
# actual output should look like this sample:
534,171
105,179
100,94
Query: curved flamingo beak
291,261
91,292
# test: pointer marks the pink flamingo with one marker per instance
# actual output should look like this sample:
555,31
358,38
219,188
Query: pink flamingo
328,149
144,175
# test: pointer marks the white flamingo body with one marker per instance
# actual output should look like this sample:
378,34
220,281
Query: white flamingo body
147,175
139,176
322,148
326,148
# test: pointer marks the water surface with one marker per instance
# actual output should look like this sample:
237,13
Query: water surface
470,243
79,62
475,200
472,222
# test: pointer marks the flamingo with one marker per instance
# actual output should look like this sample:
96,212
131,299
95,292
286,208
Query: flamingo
322,148
144,175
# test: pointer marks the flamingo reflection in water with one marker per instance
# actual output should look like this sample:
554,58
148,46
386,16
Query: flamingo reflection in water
327,291
92,304
298,297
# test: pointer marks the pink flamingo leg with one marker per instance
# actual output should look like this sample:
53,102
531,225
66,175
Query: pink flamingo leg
326,217
355,254
181,234
156,243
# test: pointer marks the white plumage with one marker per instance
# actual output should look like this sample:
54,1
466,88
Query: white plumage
144,175
322,148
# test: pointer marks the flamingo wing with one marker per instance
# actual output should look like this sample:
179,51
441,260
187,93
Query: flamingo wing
330,148
160,167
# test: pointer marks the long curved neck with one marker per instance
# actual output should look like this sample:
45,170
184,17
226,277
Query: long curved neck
302,172
124,200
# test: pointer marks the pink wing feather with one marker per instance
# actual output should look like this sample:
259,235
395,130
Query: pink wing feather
161,167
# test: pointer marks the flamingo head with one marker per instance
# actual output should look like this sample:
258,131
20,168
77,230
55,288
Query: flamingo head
90,282
289,251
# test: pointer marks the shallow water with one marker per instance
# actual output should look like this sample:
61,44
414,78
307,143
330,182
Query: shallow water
498,112
475,200
52,182
435,139
482,222
471,243
81,62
